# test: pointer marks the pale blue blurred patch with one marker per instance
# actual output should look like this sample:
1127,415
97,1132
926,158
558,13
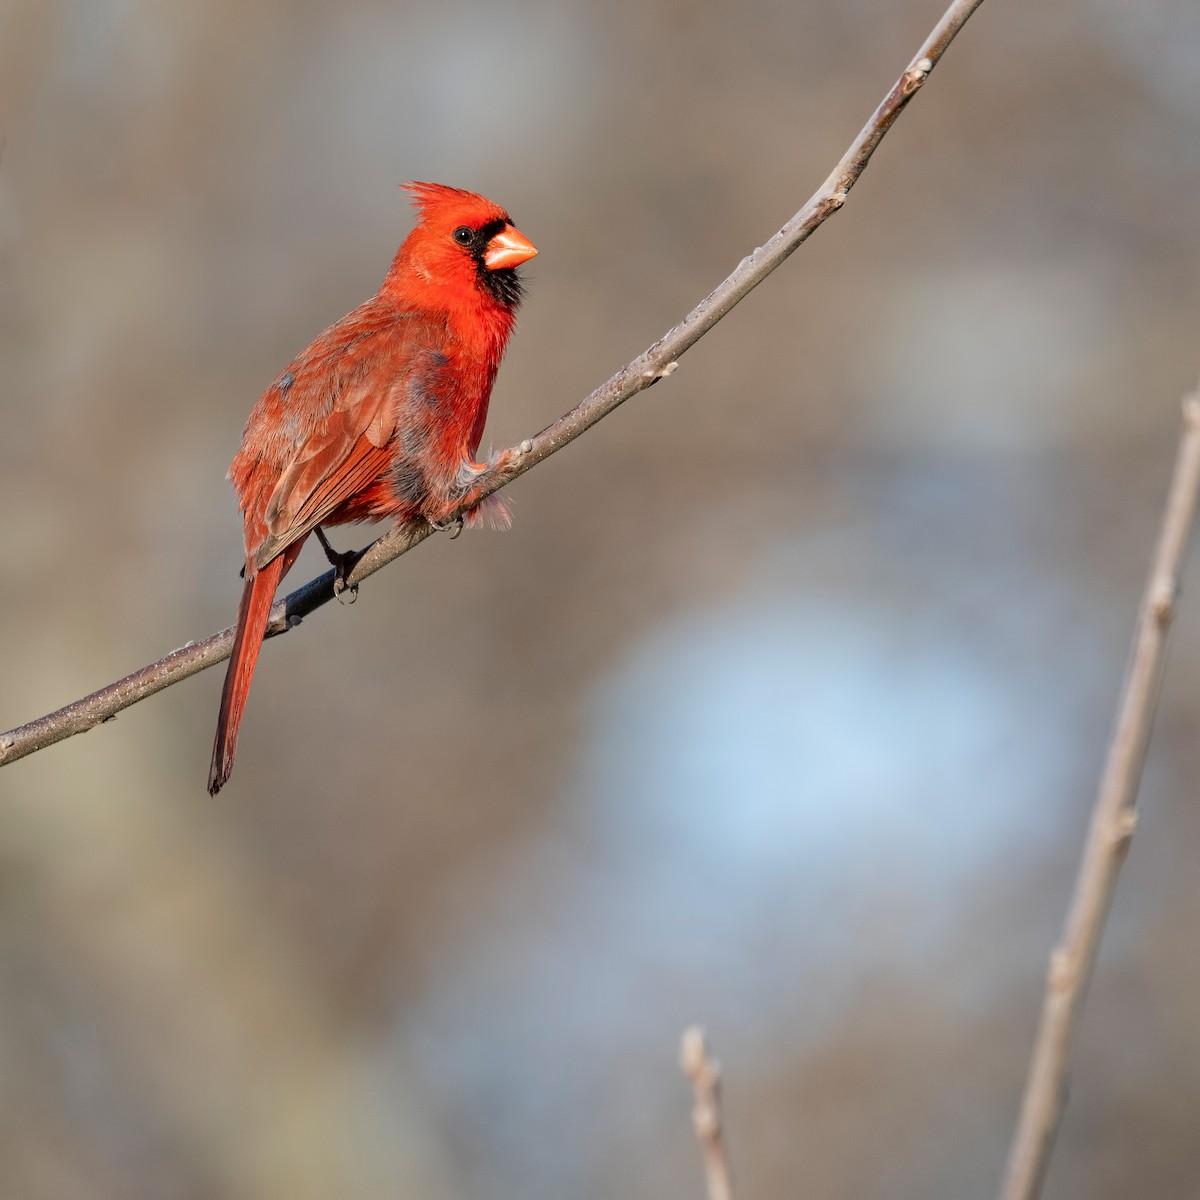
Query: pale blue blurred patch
789,801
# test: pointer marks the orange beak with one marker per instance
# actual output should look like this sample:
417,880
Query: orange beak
509,248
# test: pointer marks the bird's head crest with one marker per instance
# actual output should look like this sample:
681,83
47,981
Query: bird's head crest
435,200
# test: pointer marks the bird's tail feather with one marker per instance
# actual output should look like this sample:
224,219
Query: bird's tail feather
258,594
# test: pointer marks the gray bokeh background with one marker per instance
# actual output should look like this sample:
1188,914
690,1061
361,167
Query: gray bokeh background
779,708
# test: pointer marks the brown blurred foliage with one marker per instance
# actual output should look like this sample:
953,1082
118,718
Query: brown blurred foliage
780,706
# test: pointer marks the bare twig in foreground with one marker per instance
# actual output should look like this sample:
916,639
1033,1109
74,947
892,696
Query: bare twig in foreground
654,364
705,1074
1113,820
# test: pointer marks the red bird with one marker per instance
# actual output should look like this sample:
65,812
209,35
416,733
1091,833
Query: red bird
380,417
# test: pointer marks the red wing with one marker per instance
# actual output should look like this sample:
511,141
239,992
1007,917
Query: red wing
314,487
343,397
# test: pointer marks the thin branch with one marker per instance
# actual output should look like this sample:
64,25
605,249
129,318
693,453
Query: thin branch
705,1074
1113,819
656,363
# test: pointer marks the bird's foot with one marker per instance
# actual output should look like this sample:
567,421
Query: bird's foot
454,526
343,562
345,593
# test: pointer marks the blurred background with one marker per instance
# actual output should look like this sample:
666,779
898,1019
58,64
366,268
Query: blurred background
781,706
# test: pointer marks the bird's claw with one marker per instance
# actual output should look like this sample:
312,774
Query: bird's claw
454,526
343,562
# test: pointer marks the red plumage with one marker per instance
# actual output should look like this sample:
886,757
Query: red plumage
381,417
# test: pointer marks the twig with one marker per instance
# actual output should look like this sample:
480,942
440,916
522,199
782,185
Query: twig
1113,821
656,363
705,1074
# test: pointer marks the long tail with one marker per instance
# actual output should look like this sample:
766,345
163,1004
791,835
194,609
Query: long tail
255,608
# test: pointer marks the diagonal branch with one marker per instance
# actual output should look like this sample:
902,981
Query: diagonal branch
1113,820
654,364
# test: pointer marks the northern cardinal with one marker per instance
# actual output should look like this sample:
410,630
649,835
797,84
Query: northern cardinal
380,417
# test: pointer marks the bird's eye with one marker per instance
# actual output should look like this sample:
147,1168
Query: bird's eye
463,235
